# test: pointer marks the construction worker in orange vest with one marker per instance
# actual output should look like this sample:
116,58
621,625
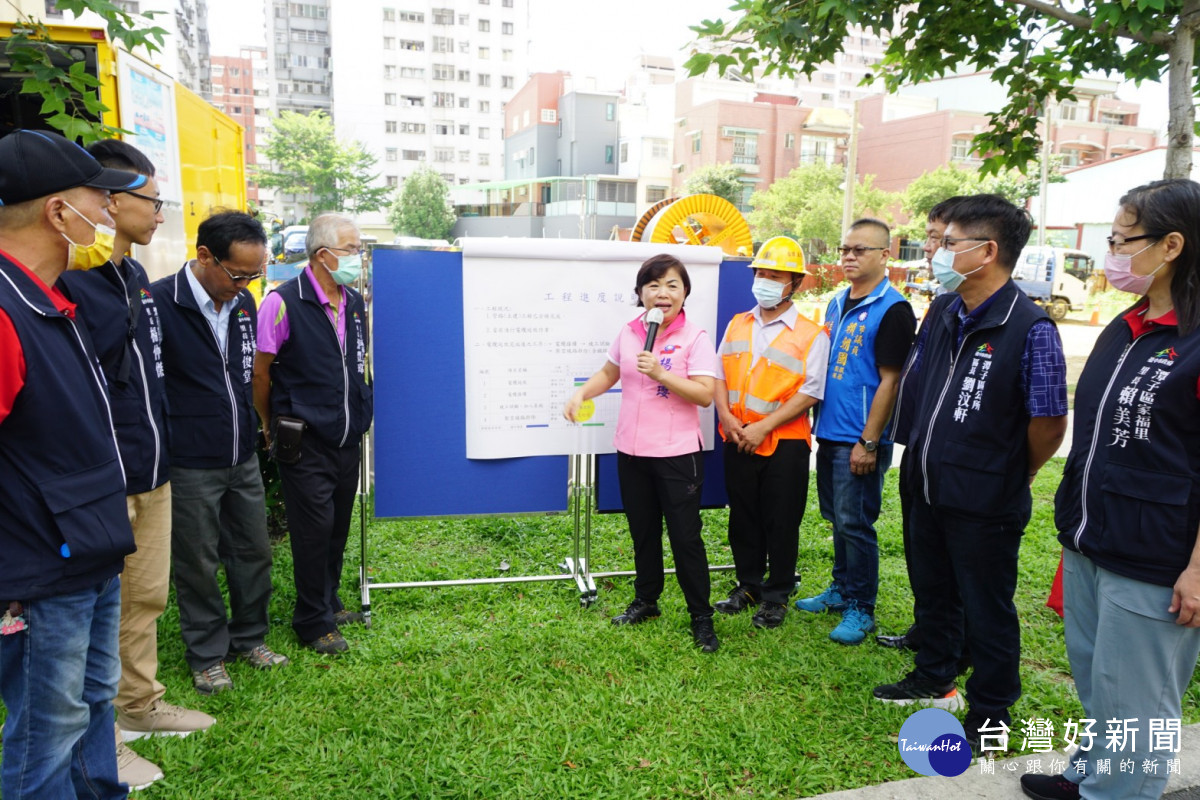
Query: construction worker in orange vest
773,364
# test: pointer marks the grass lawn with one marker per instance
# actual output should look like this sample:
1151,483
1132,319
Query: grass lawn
518,691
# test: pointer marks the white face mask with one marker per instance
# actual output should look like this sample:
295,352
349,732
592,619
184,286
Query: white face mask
767,292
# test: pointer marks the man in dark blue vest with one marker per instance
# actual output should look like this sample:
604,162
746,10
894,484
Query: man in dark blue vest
218,507
311,390
64,531
871,329
122,319
991,405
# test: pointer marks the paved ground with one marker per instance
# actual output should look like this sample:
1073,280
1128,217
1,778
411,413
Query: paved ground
1003,783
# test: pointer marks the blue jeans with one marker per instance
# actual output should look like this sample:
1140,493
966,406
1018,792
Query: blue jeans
58,679
851,502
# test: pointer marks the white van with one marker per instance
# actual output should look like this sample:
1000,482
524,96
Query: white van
1056,277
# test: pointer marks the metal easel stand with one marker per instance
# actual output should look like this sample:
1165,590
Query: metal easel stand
581,469
581,492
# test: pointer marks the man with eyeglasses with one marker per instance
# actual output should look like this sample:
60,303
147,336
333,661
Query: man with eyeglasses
312,391
218,505
990,409
872,328
122,319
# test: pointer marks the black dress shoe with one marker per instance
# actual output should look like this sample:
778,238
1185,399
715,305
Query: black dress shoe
703,634
638,611
1049,787
770,615
740,599
900,642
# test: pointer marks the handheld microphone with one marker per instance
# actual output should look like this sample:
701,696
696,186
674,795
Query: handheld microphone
654,318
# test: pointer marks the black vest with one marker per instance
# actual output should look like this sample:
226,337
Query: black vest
904,412
122,318
64,524
210,396
1130,493
315,378
970,452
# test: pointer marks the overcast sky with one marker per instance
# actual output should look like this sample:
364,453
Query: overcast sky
600,39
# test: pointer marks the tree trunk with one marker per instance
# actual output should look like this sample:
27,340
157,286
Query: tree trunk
1181,123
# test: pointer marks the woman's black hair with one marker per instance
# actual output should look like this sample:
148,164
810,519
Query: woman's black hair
1173,206
655,267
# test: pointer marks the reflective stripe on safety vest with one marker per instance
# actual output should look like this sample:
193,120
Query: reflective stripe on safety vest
756,390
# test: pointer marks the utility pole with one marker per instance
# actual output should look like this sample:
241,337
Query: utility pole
851,171
1045,176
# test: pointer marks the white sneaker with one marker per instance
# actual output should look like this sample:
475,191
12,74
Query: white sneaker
163,719
135,770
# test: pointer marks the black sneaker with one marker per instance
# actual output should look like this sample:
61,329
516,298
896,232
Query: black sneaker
330,644
770,615
740,599
910,690
347,617
1049,787
638,611
703,634
901,642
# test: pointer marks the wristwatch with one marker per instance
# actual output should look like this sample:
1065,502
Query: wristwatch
869,446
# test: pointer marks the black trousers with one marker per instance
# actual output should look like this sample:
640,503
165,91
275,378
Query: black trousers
767,496
964,579
319,491
914,631
654,489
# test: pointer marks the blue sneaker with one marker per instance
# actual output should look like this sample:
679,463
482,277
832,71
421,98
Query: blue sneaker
829,600
855,625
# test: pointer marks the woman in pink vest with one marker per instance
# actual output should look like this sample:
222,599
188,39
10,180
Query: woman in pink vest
658,441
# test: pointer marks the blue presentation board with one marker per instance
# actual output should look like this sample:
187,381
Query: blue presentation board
421,467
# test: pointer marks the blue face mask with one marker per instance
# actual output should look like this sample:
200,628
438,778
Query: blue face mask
943,267
348,269
767,292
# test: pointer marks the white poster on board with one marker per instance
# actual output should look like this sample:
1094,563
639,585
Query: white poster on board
148,114
538,318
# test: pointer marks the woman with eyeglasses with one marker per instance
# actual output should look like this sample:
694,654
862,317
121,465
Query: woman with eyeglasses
1128,508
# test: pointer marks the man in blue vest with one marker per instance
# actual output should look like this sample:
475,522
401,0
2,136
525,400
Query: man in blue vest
218,508
311,390
64,530
991,405
872,329
123,322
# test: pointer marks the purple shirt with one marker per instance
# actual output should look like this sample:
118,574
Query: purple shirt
273,328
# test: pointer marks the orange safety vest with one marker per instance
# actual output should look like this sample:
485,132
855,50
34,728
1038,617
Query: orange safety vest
755,392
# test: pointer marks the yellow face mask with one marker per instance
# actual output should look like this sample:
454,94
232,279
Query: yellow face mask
90,256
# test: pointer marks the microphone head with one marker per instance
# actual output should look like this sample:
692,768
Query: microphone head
654,316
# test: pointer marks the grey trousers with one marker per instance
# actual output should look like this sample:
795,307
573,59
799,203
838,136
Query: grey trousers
218,519
1130,662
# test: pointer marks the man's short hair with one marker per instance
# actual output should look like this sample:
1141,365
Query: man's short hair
938,213
225,228
323,231
991,216
115,154
878,224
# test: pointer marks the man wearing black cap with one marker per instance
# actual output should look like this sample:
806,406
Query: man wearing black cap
64,532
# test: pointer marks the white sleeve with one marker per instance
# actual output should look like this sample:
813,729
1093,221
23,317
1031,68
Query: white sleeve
815,366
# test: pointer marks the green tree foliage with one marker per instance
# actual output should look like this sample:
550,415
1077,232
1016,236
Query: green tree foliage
1038,50
723,180
423,207
946,181
70,96
306,158
807,206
